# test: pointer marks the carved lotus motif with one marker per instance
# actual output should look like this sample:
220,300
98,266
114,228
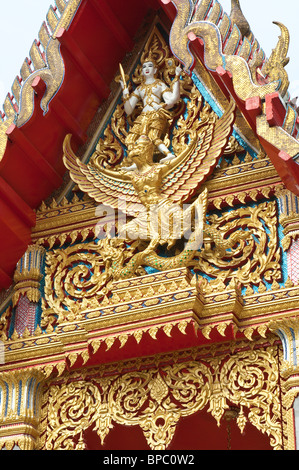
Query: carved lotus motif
158,389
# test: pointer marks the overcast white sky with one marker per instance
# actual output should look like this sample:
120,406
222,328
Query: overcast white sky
20,21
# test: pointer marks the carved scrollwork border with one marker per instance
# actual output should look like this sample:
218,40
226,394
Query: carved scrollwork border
157,398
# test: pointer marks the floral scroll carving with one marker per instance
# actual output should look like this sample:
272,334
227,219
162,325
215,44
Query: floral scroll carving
254,257
74,279
156,399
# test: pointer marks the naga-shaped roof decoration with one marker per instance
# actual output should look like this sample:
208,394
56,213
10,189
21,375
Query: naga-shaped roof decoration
228,44
45,62
234,57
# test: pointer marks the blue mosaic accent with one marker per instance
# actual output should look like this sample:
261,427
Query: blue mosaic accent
38,312
284,257
7,398
209,99
20,396
150,270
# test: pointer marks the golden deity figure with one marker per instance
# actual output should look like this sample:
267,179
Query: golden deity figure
150,169
163,202
157,100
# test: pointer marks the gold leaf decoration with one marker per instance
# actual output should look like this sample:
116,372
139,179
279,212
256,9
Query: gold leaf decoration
74,280
156,399
251,252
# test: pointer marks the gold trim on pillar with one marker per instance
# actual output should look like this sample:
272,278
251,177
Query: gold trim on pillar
20,394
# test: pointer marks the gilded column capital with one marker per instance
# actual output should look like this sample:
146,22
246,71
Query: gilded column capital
288,331
20,401
27,289
289,216
28,274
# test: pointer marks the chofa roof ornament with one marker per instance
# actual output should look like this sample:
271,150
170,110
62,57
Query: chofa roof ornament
193,22
274,67
237,17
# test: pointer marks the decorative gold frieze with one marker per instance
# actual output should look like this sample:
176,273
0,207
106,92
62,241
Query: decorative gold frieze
74,281
69,221
245,239
156,399
249,251
147,308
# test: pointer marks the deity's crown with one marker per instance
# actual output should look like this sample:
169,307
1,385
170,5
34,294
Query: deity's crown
149,58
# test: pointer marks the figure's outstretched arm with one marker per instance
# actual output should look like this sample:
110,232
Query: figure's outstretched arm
171,97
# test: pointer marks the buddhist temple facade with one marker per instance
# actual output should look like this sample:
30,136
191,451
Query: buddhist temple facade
149,207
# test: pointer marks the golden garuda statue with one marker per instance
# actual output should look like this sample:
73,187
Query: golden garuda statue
160,193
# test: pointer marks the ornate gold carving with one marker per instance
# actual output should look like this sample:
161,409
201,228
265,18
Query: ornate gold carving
74,280
246,376
289,217
169,303
290,426
4,323
274,67
154,189
111,148
156,399
75,276
287,329
248,246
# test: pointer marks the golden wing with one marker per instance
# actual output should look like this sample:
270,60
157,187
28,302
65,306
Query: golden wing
106,187
186,173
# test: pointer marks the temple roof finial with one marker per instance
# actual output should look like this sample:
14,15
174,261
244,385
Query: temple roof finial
239,19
